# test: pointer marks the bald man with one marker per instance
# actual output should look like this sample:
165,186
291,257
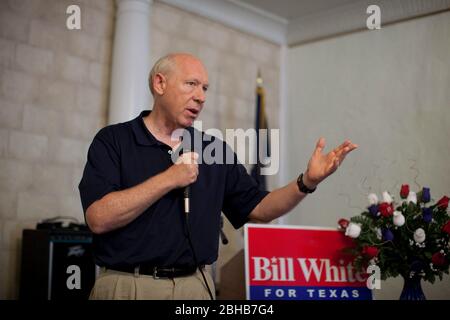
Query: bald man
132,193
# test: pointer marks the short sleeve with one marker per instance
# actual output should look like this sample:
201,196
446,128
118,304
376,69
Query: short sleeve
242,194
101,174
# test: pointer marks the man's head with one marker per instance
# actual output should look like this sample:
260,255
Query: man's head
178,83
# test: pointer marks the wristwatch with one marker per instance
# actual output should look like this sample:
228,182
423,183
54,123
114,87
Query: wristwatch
301,185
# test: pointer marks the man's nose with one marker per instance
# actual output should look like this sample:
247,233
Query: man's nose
200,95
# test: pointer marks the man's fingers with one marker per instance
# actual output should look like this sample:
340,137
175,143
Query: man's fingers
195,174
343,152
320,145
188,158
345,144
349,149
346,150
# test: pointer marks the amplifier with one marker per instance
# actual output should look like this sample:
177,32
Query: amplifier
57,265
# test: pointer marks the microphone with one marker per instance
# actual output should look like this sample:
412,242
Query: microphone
186,199
186,147
187,189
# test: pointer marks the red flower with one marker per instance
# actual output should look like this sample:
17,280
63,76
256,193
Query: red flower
386,209
443,202
404,191
439,259
446,227
343,223
370,252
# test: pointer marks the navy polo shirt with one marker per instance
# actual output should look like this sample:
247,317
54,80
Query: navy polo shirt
126,154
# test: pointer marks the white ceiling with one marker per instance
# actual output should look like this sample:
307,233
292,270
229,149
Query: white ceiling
294,9
294,22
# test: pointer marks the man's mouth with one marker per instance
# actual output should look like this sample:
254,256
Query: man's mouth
193,112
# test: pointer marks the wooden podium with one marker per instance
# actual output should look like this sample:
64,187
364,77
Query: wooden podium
232,279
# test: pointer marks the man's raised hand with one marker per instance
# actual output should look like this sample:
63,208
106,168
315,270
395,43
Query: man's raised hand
322,165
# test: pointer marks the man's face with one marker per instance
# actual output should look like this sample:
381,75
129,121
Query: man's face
185,93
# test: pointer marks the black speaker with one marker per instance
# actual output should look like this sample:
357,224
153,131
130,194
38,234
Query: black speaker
57,264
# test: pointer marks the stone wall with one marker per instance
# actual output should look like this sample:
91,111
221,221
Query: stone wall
53,98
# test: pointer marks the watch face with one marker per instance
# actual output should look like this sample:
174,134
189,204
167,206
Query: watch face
300,184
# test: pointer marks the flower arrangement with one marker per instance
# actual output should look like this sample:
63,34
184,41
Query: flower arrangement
410,238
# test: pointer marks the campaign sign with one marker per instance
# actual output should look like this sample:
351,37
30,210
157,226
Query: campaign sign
300,263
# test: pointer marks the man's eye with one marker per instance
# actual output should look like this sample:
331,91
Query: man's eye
191,83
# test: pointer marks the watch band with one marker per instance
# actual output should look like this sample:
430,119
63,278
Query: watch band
301,185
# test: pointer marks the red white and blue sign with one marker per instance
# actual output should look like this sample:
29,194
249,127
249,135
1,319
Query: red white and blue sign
300,263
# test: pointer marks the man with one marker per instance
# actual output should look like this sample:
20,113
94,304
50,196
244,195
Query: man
132,194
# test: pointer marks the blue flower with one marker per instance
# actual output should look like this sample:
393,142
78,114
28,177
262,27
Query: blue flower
427,214
426,195
387,235
417,265
373,209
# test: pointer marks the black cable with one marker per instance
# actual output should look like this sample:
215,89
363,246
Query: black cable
186,193
195,257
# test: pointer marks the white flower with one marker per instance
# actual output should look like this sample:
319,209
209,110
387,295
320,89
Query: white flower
379,234
399,218
353,230
412,197
387,197
373,199
419,235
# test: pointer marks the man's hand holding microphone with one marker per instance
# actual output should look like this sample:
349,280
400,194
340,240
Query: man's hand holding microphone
185,172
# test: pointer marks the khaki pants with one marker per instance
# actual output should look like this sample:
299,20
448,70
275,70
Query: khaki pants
116,285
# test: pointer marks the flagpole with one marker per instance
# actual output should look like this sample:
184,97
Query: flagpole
260,123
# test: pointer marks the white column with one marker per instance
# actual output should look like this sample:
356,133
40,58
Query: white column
131,61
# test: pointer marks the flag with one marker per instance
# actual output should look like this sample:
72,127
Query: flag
260,123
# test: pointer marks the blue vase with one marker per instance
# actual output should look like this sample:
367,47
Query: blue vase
412,289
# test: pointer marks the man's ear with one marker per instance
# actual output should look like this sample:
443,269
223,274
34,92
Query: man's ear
159,84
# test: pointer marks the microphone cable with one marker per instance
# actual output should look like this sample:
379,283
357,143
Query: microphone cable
186,211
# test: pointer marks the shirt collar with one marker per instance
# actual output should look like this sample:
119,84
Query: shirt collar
143,135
